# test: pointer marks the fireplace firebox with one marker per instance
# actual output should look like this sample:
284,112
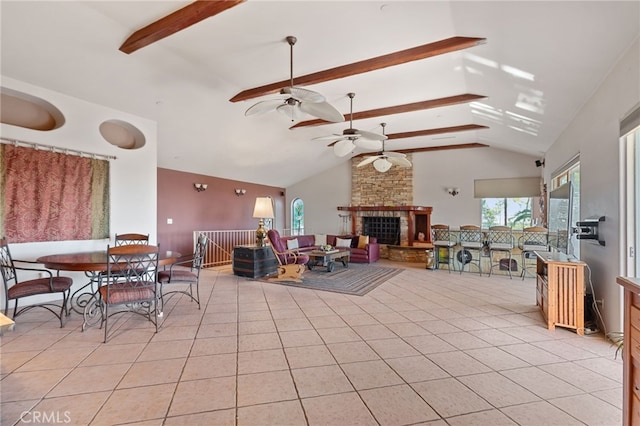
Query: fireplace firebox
385,229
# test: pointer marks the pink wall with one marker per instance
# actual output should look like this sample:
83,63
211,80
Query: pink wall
217,208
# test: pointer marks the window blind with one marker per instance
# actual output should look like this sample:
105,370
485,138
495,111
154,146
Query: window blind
507,188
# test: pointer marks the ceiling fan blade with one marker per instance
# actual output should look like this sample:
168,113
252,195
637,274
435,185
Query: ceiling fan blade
343,147
323,110
382,165
373,145
368,160
372,136
399,161
394,154
263,106
332,137
303,95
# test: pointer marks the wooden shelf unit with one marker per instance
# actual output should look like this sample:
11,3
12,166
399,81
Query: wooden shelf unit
631,351
560,290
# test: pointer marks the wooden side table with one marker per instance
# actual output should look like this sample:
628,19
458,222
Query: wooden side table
254,262
560,290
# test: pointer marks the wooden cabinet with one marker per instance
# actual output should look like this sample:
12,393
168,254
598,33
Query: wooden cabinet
631,351
560,290
253,261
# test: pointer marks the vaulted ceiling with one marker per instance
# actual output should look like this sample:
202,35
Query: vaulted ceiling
526,70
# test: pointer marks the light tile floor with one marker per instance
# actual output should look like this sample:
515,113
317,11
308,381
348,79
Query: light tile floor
426,347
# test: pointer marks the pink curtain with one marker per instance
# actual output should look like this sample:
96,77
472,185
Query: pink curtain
48,196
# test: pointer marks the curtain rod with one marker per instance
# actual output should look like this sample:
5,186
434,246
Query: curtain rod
39,146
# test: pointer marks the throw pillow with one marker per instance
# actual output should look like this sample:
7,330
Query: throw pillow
292,244
341,242
320,239
363,240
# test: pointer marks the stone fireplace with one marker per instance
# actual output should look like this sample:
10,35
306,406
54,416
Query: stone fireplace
387,195
412,221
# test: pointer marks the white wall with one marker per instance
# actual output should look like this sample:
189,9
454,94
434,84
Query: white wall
594,134
435,171
133,173
432,173
321,195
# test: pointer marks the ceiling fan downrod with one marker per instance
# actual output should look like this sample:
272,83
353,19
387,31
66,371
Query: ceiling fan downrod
292,41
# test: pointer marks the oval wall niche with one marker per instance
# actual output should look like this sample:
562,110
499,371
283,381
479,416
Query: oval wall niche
122,134
29,112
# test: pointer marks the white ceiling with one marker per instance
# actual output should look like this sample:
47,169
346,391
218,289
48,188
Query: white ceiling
541,62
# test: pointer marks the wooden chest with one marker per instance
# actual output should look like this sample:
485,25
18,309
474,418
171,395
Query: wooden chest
253,261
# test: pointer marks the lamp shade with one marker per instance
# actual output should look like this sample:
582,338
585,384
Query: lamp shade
263,208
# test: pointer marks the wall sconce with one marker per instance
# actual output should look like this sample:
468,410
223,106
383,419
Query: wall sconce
200,186
453,191
240,192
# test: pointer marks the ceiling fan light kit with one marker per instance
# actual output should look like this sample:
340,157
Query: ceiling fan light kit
383,161
350,139
293,101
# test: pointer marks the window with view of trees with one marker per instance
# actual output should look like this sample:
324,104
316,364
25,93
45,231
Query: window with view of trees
297,217
514,212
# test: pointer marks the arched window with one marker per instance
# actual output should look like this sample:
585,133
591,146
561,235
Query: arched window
297,217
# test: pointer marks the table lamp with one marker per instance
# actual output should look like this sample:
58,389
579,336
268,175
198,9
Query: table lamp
262,210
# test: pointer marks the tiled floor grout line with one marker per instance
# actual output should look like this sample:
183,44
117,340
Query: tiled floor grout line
405,299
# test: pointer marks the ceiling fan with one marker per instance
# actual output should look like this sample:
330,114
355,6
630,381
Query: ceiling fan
295,100
351,138
385,159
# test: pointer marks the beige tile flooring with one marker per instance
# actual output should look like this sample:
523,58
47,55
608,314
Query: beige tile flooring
426,347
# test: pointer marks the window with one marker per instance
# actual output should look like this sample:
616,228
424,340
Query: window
518,213
297,217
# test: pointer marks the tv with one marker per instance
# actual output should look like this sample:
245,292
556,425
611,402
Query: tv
559,217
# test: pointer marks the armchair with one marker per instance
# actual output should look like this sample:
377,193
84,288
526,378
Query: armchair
292,262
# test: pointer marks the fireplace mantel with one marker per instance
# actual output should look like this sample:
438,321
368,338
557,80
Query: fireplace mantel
411,211
386,208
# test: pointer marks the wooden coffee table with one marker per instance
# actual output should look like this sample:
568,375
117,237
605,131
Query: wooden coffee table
328,258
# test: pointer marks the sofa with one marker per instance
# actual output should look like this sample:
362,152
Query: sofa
370,252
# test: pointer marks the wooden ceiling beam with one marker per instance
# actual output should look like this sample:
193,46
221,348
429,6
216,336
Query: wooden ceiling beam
431,148
438,131
428,132
176,21
398,109
403,56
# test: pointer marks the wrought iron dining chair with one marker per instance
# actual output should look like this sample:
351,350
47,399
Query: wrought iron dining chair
500,241
132,238
14,289
470,239
443,239
130,282
534,238
189,275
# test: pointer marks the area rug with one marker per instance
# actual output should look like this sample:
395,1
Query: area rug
357,279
